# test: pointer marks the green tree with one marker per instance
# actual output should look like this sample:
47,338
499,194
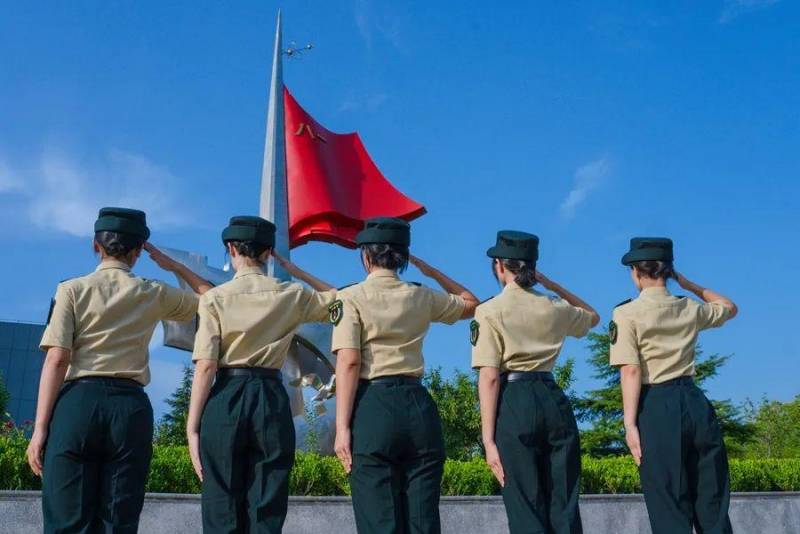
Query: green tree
459,408
602,408
777,429
171,428
4,398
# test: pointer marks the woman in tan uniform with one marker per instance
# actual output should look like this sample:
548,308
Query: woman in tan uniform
240,431
388,432
96,431
529,431
670,427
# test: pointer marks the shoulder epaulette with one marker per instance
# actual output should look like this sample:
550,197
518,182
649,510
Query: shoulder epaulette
345,287
680,296
623,303
416,284
487,300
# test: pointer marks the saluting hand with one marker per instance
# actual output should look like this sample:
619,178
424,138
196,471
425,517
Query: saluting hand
542,279
194,452
160,259
635,446
342,448
423,267
35,451
283,262
493,460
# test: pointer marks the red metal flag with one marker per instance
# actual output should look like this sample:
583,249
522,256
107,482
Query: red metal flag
332,183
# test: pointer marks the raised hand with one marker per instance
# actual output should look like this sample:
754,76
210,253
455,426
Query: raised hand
542,279
161,259
423,267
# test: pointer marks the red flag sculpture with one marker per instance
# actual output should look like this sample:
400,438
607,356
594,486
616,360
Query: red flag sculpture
333,184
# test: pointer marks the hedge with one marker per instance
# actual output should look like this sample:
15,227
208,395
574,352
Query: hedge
171,472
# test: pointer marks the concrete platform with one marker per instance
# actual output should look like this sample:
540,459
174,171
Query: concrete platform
751,513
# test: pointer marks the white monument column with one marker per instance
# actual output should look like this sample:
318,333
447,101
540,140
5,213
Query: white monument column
274,204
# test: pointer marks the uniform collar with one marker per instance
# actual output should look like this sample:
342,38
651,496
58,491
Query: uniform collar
655,292
382,273
512,285
112,264
245,271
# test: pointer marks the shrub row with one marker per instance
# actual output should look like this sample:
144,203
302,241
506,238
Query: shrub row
171,472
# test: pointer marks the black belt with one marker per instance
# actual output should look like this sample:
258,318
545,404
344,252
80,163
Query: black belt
519,376
108,381
680,381
252,372
394,380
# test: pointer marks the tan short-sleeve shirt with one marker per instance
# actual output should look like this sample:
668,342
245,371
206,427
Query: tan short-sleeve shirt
387,319
524,330
658,331
107,319
250,321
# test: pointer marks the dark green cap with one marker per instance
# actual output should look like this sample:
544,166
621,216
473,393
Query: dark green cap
123,221
250,228
649,249
389,230
513,245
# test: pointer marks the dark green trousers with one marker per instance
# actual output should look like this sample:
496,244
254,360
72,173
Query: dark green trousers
247,444
97,457
398,459
537,437
684,469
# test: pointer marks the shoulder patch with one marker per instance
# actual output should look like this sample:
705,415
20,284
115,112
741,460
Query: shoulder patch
613,331
623,303
335,312
474,332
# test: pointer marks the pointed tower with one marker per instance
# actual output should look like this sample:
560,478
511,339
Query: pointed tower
274,204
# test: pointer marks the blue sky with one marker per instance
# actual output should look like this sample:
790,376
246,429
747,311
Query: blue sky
585,124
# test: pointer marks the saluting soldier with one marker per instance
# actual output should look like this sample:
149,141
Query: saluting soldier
670,426
240,431
388,431
96,431
529,431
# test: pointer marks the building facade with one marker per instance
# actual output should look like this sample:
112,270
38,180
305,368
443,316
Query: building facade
20,366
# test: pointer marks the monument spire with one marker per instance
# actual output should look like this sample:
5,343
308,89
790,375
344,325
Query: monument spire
274,204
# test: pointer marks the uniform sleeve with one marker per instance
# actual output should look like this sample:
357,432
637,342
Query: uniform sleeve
60,330
576,321
316,305
346,321
487,343
624,348
445,308
712,315
177,304
209,332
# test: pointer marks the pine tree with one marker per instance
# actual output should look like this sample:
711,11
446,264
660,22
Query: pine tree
171,428
4,398
602,408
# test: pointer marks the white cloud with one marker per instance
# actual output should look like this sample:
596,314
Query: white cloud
371,22
64,195
8,182
734,8
587,178
369,103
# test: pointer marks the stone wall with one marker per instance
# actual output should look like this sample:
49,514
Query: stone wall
751,513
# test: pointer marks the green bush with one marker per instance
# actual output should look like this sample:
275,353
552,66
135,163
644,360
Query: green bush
171,472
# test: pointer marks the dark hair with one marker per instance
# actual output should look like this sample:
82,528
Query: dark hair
386,256
524,271
655,269
250,249
117,245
